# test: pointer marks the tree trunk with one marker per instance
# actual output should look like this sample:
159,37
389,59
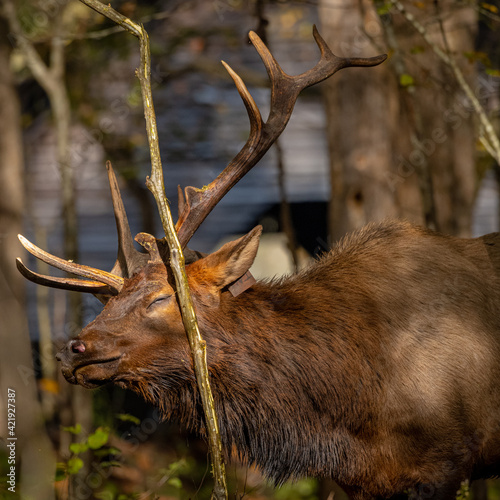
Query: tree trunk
401,139
34,457
362,116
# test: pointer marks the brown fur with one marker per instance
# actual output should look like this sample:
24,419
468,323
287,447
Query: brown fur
379,366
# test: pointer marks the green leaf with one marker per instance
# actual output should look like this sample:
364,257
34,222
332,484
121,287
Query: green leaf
490,7
110,463
417,49
74,465
99,438
109,491
493,72
78,448
478,56
60,471
104,495
175,482
178,466
383,8
74,430
406,80
126,417
301,489
111,450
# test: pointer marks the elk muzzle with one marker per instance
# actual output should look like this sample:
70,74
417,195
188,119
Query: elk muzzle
82,363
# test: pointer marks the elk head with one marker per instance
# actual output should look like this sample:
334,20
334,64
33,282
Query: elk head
139,336
141,325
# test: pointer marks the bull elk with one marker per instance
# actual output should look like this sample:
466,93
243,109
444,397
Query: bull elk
379,366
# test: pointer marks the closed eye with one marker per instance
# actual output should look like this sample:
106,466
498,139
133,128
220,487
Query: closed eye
159,299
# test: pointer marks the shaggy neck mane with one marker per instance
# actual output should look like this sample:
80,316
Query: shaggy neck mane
277,411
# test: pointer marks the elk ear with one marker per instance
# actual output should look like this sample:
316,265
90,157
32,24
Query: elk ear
230,262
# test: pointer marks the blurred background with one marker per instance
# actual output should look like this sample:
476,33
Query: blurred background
414,138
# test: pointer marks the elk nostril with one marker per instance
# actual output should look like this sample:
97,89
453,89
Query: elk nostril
77,346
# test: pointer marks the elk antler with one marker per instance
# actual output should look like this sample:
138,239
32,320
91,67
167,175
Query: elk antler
128,260
149,242
102,277
75,285
97,282
198,203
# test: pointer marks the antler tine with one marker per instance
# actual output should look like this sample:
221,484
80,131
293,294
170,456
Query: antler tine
75,285
128,259
148,241
329,63
181,202
115,282
198,203
254,115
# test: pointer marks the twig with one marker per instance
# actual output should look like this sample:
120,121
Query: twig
439,16
486,144
285,215
484,11
491,137
177,263
103,33
285,210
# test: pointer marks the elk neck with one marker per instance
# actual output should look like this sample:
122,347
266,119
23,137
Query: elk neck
281,379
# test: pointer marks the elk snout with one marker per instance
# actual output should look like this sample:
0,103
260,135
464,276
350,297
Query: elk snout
77,346
72,347
85,362
74,354
66,356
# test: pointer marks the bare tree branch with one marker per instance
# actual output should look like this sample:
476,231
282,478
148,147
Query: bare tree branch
177,263
39,69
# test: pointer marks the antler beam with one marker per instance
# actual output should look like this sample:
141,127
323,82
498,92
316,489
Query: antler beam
198,203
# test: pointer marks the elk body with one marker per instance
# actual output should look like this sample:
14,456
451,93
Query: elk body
379,366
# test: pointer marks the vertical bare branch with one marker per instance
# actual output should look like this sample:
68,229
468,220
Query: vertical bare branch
285,209
177,263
